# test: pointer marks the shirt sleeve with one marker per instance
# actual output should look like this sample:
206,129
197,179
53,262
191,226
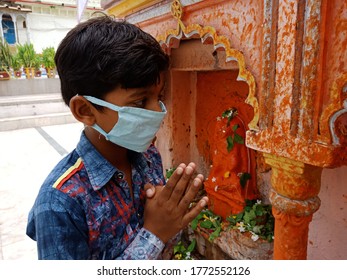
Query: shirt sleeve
145,246
60,231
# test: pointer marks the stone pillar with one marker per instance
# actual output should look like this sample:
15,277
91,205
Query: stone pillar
28,29
14,19
295,187
1,30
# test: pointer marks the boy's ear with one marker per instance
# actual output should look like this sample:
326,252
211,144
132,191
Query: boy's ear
82,110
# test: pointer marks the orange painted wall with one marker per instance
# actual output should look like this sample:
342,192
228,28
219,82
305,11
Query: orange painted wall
196,100
241,22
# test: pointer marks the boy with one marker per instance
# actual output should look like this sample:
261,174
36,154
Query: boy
93,204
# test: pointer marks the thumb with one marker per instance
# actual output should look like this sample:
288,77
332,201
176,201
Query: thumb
150,190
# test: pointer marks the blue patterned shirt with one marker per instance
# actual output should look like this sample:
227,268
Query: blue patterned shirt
84,209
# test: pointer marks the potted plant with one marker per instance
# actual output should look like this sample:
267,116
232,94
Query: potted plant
37,65
16,65
48,61
5,60
27,54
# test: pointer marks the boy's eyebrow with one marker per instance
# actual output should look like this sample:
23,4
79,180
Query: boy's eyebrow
142,92
138,93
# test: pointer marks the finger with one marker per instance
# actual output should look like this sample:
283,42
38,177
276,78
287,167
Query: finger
182,184
171,183
150,190
190,194
201,177
190,216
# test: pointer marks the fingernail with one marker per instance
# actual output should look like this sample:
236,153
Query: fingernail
189,170
179,170
196,183
149,192
203,203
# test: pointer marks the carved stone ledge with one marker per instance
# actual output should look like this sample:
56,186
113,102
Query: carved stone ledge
231,244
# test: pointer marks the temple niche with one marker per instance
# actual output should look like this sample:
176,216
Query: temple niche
211,116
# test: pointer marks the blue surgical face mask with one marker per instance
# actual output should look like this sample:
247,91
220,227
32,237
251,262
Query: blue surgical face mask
135,128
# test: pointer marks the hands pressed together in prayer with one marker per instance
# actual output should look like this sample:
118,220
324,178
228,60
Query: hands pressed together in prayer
167,207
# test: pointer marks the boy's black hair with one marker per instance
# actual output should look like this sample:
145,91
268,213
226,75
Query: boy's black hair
102,54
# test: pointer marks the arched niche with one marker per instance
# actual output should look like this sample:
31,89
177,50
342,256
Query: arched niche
207,77
21,29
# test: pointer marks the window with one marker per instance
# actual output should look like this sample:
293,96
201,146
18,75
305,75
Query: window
8,29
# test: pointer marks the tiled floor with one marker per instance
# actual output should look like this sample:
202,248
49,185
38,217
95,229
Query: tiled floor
26,158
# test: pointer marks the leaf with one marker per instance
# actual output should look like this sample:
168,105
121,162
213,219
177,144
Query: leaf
231,220
191,246
206,224
208,213
259,210
230,143
239,216
215,234
216,223
169,172
249,216
194,223
252,214
246,218
238,139
179,247
235,126
244,178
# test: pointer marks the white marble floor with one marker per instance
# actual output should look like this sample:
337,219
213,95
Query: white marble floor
26,158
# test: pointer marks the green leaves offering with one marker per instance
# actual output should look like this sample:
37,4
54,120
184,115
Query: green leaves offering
235,138
206,219
183,253
256,218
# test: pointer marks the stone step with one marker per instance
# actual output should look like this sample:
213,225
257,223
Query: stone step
24,111
7,124
33,109
31,105
27,99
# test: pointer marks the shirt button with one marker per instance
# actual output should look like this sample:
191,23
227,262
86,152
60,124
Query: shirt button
120,176
138,215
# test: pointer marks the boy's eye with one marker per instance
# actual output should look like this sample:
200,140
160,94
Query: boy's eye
140,103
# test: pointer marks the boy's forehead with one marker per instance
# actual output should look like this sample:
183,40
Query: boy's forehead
135,92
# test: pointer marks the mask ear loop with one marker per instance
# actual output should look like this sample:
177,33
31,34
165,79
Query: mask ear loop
92,103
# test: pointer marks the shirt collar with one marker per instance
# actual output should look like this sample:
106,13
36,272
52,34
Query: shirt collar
99,169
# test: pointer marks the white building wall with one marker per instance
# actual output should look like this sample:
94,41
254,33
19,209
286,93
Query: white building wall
48,30
48,24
